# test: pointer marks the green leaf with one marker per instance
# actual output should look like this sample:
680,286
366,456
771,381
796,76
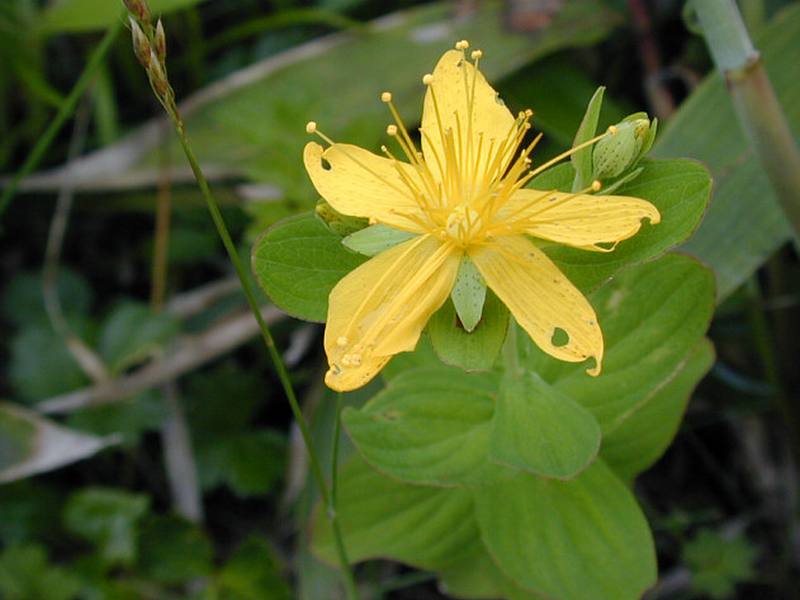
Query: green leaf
718,563
641,439
652,316
85,15
427,527
538,429
222,401
108,518
582,539
429,426
582,159
375,239
30,511
253,573
34,445
41,365
298,262
172,550
25,574
477,576
250,463
132,333
475,351
469,294
23,300
745,223
678,188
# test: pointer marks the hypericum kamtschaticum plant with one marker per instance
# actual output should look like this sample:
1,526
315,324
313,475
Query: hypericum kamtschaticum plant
489,456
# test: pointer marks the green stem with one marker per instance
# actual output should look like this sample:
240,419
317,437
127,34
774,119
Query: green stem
277,361
757,108
67,108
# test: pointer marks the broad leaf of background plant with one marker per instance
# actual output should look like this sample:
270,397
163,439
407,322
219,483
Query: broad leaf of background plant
298,261
25,573
582,539
427,527
31,444
172,550
430,426
107,517
253,573
744,224
132,333
253,123
680,190
85,15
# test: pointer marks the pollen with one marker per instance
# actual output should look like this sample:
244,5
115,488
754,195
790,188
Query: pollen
427,79
391,130
386,97
462,45
476,54
311,127
596,185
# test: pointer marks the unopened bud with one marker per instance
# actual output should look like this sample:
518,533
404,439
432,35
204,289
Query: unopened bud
139,9
141,45
620,151
157,75
160,40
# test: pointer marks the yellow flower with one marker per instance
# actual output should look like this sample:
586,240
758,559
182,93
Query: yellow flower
462,196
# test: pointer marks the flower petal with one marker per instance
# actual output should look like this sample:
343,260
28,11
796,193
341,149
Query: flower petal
361,184
380,308
541,299
452,89
580,220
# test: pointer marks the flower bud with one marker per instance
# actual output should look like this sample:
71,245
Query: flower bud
621,150
139,9
338,223
160,40
141,45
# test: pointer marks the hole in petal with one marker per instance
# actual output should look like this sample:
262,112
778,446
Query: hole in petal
325,164
560,338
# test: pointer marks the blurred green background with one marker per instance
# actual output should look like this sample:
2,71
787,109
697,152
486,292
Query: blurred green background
148,455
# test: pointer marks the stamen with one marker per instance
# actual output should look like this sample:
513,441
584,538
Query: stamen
610,131
386,97
462,45
311,127
476,55
427,79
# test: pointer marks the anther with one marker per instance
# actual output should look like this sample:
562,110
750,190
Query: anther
386,97
427,79
341,341
476,54
391,130
596,185
311,127
462,45
613,130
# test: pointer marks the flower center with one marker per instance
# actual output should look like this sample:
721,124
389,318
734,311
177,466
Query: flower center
463,225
